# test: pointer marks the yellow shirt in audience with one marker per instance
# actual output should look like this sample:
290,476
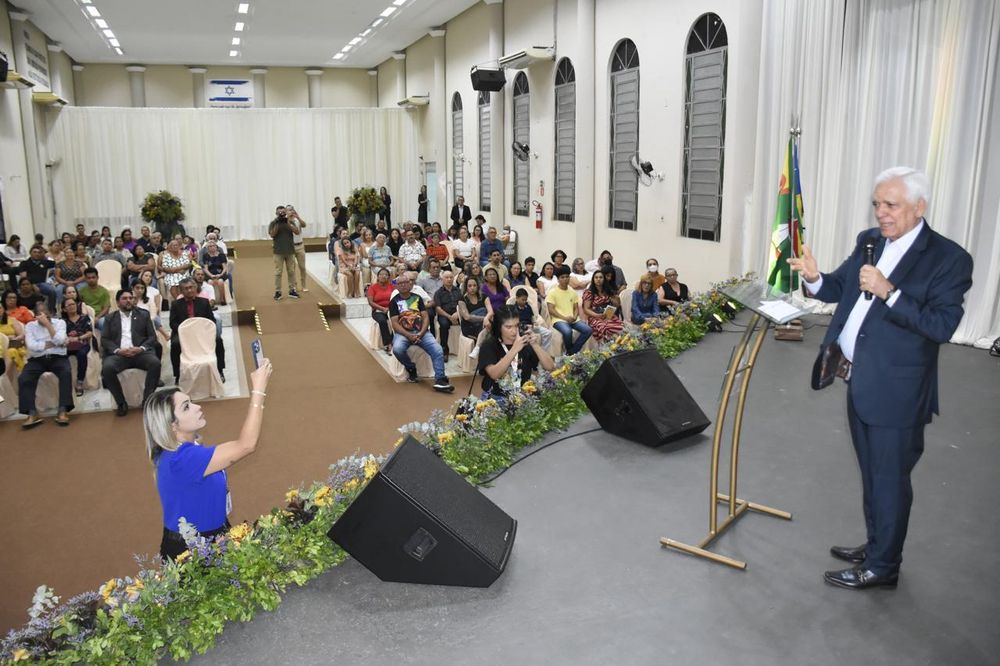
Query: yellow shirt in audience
565,301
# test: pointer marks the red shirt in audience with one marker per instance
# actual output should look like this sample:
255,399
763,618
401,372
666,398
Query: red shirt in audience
380,295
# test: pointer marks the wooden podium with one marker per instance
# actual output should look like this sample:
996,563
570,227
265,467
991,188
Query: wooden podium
768,308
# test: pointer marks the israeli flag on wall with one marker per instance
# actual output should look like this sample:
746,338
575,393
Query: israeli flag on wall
230,93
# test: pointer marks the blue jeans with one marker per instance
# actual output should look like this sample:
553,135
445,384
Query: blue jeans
400,344
566,330
49,291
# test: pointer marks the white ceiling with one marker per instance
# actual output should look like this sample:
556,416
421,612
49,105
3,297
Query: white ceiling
295,33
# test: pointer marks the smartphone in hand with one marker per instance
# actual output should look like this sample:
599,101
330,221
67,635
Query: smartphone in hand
257,351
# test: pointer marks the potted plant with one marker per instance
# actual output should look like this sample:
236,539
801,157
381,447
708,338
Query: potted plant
363,204
165,212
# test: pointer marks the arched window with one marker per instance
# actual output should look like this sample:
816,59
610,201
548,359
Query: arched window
565,180
485,152
522,174
624,183
457,147
704,128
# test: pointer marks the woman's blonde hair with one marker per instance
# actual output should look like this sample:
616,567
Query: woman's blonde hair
158,419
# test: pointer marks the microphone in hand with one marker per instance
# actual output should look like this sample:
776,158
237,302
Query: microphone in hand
869,261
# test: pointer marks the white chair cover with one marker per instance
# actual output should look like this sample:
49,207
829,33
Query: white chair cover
199,374
626,309
109,276
425,368
462,351
374,336
133,381
47,394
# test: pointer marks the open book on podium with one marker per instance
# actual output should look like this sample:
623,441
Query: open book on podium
761,298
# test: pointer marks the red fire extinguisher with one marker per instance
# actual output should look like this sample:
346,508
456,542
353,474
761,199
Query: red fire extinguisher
538,214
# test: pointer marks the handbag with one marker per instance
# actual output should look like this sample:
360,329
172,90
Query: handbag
830,363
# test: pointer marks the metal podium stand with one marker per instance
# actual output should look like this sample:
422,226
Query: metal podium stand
768,308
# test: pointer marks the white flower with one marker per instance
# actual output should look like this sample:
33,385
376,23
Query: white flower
43,601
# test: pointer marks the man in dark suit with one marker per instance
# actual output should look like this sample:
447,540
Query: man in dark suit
460,213
128,341
189,305
891,340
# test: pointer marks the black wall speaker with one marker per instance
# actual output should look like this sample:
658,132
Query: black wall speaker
488,79
637,396
417,521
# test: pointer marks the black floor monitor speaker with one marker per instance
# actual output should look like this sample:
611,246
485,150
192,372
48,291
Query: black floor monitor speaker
637,396
488,79
418,521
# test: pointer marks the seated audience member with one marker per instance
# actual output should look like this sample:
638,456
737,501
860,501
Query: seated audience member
430,282
366,244
128,243
148,278
175,266
436,250
446,300
516,276
144,239
81,234
529,272
119,246
419,235
477,236
379,294
15,250
28,294
579,277
17,355
564,308
380,256
653,273
395,241
212,237
547,280
68,273
36,268
45,339
108,253
349,267
600,307
140,261
96,297
14,308
216,266
463,248
79,331
142,300
205,290
472,270
672,293
412,252
156,245
472,309
529,320
81,254
496,262
190,247
128,341
489,245
55,253
645,305
509,352
606,261
409,322
558,259
185,307
494,289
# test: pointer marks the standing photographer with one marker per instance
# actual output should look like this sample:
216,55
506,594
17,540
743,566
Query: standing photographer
298,240
283,234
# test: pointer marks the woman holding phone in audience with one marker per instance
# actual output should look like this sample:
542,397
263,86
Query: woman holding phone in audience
509,350
190,476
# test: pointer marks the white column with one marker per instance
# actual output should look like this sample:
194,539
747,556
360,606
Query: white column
55,74
198,87
400,56
35,217
137,84
373,88
497,119
78,98
259,99
315,95
586,198
440,108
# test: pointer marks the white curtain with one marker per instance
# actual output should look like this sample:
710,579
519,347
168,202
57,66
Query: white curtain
880,83
230,167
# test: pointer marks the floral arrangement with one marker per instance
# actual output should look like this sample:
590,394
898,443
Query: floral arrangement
364,201
180,607
165,211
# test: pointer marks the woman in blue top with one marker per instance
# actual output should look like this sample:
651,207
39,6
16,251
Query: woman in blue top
191,477
644,302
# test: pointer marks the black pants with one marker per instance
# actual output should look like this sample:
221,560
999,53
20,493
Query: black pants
172,544
444,323
27,383
112,365
175,354
81,361
382,319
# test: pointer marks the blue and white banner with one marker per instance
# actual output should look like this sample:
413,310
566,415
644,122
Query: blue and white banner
230,93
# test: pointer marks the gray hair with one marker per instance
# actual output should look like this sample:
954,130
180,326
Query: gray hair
915,182
187,280
158,420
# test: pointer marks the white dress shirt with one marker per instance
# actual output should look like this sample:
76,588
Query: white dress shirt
126,331
36,335
892,254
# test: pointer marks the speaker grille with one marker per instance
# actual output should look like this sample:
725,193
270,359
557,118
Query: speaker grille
442,493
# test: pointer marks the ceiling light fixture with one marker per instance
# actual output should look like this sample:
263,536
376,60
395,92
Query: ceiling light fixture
93,11
109,34
356,40
346,48
399,3
243,8
366,32
376,22
338,56
114,42
86,2
236,41
387,11
239,26
233,53
119,51
101,23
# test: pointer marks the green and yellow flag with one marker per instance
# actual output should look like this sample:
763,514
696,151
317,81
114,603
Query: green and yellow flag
786,234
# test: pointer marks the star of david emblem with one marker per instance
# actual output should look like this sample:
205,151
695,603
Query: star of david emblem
230,90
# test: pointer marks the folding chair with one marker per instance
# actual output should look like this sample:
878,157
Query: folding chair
199,375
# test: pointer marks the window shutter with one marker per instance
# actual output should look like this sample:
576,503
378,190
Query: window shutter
521,167
457,148
485,152
565,157
704,144
624,184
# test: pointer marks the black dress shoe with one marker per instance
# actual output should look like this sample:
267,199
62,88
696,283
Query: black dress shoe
123,409
860,579
856,554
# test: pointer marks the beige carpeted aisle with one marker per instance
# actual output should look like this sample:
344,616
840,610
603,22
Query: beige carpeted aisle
78,502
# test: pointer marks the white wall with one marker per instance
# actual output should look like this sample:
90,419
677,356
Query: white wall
13,167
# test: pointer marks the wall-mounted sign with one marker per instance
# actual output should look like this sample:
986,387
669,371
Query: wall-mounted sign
230,93
37,59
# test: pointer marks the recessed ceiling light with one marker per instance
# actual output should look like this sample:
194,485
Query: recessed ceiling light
119,51
346,48
108,33
366,32
101,23
93,11
86,2
354,41
399,3
233,53
338,56
243,8
239,26
114,42
387,11
236,41
376,22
